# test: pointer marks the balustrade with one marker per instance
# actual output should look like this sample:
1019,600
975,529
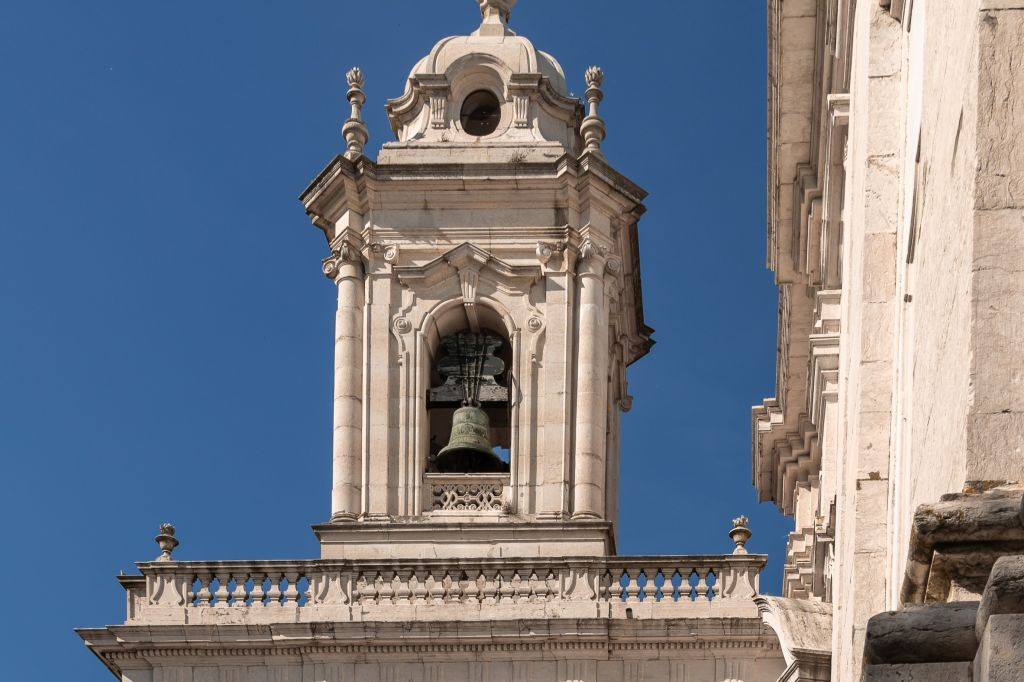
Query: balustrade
332,590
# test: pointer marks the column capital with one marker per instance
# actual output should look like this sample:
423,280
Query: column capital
592,258
344,255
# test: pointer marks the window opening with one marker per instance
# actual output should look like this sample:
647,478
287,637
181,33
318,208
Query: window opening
481,113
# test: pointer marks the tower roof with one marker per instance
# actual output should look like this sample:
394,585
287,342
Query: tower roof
493,37
521,89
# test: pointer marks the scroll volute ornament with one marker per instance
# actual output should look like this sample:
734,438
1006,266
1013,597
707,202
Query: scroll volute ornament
346,253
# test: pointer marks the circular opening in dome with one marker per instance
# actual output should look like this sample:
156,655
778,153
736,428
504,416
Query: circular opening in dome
481,113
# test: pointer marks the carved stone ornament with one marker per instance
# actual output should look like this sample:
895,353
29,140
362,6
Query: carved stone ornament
500,7
403,325
547,251
613,266
166,541
467,496
344,253
592,129
740,533
535,324
590,249
389,252
354,130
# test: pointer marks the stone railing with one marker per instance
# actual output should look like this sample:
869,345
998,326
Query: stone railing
182,592
466,493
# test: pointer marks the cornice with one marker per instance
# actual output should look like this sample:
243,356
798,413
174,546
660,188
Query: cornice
121,645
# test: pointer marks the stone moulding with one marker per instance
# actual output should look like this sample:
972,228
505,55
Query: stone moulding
131,647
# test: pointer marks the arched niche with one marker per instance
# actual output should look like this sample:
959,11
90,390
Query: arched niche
448,319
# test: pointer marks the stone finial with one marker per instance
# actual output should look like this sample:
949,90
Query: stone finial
354,130
592,129
500,8
740,533
166,541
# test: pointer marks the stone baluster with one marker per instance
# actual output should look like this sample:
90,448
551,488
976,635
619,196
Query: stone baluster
604,586
650,589
633,586
471,592
489,592
667,588
702,584
436,587
521,587
239,594
345,267
291,592
716,589
539,585
419,588
191,599
455,584
205,578
592,384
385,588
367,585
506,590
222,594
257,594
403,587
274,593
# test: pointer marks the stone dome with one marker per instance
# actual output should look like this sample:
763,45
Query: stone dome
515,51
526,98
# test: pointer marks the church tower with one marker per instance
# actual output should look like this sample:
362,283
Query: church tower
489,303
488,260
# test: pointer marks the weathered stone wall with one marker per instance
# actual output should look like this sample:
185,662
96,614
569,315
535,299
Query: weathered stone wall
935,300
995,423
930,394
867,343
961,365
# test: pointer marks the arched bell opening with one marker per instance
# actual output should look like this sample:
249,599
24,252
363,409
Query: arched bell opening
468,400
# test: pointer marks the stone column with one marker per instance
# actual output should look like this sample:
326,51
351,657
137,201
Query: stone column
346,268
591,385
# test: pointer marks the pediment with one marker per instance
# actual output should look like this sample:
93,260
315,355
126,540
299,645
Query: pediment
468,258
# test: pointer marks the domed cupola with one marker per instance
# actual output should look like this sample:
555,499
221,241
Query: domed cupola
490,96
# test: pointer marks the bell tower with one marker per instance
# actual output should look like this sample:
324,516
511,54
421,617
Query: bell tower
489,302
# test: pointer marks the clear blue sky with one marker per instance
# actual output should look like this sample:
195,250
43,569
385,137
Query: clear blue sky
166,344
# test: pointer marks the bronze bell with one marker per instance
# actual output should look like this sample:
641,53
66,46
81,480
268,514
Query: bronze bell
469,447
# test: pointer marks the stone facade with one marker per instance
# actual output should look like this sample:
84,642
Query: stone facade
487,266
896,233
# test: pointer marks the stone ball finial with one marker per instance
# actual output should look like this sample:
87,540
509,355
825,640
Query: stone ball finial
594,77
166,541
503,8
355,78
740,533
